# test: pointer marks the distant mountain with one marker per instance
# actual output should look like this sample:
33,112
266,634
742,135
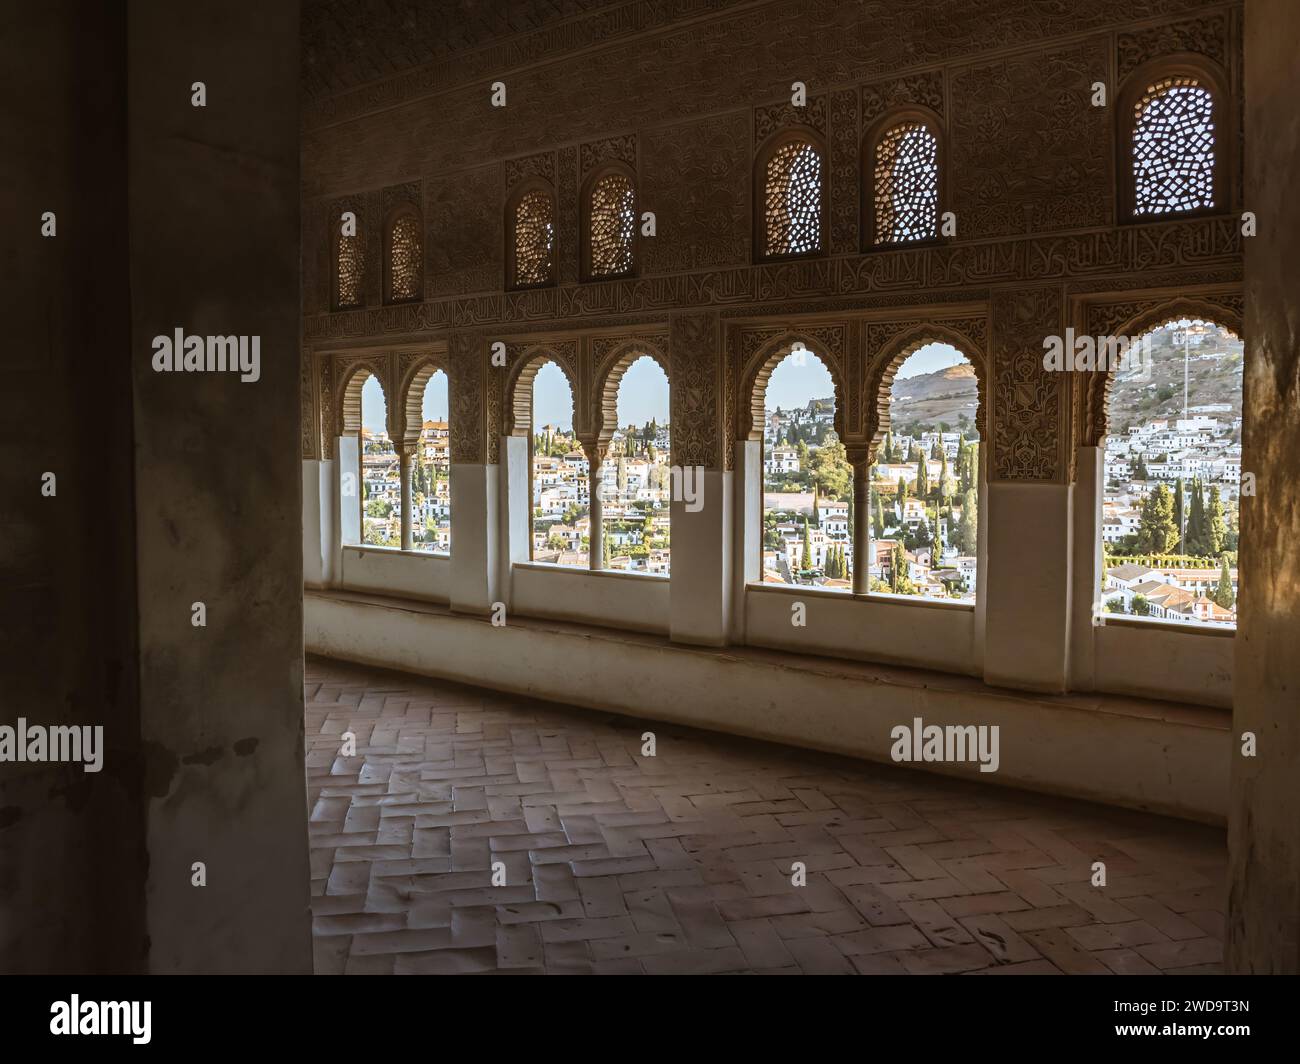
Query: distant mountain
930,399
1214,378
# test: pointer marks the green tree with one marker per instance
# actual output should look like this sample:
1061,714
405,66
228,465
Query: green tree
945,483
963,466
1215,527
1223,595
968,525
878,519
605,552
1140,469
922,475
902,490
805,558
801,449
1141,607
1156,529
831,472
1196,541
1180,517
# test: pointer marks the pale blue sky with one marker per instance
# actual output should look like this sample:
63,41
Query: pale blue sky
643,393
792,385
374,410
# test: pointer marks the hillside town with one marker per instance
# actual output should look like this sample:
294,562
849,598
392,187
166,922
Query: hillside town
1170,518
924,506
1173,481
381,490
636,488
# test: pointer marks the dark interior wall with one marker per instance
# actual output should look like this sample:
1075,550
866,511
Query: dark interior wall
1264,827
72,861
172,488
214,250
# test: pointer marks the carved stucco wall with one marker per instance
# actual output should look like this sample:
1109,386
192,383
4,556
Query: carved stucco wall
686,102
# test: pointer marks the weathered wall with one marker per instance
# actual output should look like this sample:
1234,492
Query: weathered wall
219,495
1263,933
72,862
171,489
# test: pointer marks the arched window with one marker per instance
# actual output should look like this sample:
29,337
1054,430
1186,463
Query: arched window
561,502
349,266
611,225
789,210
1172,477
1173,148
807,480
531,242
1174,125
636,480
403,266
381,474
431,470
925,482
904,168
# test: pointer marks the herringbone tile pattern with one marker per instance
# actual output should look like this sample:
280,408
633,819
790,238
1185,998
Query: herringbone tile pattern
681,862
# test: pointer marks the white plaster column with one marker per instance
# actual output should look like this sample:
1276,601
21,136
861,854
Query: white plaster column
349,488
475,537
862,526
1027,590
702,557
1086,576
405,475
595,506
747,529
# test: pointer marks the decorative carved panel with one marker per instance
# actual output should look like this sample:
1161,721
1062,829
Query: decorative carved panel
621,149
924,89
467,353
1026,398
696,180
695,395
773,118
1204,36
1027,150
463,232
843,172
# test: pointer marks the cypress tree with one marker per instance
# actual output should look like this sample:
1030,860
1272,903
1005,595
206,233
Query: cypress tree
879,520
805,559
922,475
1215,528
1223,595
1180,518
1195,540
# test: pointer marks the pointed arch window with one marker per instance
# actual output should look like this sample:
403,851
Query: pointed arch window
904,168
531,244
403,265
790,208
611,225
1174,128
349,266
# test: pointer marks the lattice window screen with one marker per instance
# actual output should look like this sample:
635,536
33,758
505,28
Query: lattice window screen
351,260
404,259
1173,147
613,223
534,238
793,199
907,185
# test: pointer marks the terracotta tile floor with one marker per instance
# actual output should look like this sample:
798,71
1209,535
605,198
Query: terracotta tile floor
618,863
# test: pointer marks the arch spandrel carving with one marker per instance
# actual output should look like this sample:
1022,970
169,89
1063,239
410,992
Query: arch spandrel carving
414,373
350,375
761,351
1135,318
525,360
612,357
890,344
